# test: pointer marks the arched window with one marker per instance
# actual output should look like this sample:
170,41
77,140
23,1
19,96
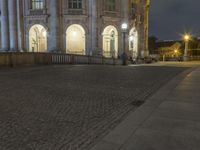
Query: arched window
75,4
37,4
37,38
110,5
75,40
110,42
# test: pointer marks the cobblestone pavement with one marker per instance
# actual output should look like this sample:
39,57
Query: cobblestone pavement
70,107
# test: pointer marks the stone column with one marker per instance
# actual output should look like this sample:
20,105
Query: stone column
143,29
4,25
147,27
12,6
54,33
125,9
93,27
20,26
140,28
125,19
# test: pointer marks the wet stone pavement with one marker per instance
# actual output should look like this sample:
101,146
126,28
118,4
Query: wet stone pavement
71,107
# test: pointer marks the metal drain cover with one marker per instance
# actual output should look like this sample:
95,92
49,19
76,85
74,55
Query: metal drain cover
137,103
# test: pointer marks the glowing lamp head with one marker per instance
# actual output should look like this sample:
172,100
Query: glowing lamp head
124,26
186,37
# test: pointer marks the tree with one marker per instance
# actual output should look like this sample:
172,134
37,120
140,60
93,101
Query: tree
152,44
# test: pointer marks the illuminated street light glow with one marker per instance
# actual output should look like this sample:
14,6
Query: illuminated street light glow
186,37
124,26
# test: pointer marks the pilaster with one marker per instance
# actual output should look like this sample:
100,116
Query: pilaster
20,25
4,25
54,32
93,27
12,13
125,19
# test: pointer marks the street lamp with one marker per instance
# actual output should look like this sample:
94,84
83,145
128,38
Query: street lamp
186,39
176,53
124,26
124,30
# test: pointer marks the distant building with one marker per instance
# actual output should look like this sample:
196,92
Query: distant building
171,48
85,27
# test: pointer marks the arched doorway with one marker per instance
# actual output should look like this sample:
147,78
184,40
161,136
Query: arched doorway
110,42
37,38
75,40
133,42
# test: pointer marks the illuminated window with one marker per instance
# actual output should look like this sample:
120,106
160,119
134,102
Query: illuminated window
75,40
110,41
110,5
37,38
37,4
75,4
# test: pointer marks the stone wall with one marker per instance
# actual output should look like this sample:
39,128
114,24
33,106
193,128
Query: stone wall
13,59
17,18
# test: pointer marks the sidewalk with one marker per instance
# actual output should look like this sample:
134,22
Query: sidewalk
169,120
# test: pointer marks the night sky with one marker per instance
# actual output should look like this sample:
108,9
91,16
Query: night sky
170,18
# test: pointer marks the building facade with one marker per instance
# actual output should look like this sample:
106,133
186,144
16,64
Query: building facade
85,27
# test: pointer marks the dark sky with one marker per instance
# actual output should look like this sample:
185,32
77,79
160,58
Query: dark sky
170,18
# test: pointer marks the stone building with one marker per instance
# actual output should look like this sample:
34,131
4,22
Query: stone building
86,27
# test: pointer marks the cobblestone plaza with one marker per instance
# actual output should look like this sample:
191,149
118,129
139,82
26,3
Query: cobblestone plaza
71,107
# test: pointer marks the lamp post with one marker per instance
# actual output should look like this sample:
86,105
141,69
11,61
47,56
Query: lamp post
186,39
176,54
124,30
